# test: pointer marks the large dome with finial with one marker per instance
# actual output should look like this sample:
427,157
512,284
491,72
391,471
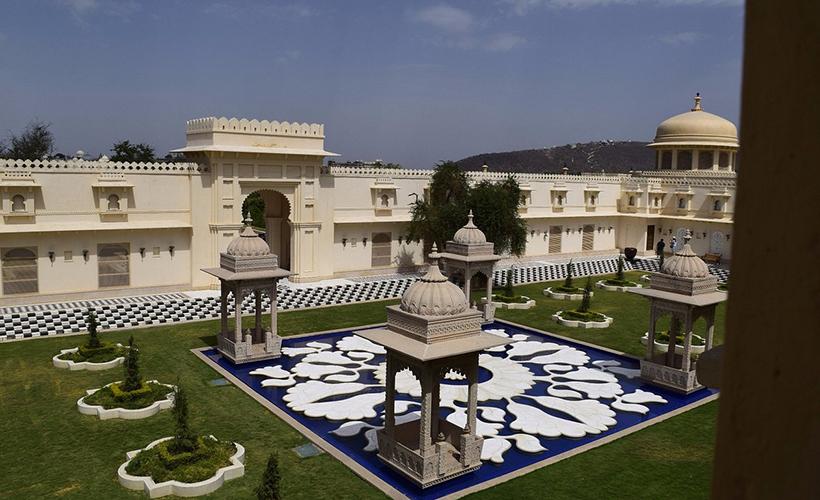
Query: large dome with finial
685,263
433,295
248,243
696,128
469,234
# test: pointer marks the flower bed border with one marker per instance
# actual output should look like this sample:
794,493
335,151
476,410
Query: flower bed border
173,487
574,323
565,296
612,288
126,413
530,303
85,365
664,347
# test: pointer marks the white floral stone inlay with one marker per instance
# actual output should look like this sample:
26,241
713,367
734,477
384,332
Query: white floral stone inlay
580,398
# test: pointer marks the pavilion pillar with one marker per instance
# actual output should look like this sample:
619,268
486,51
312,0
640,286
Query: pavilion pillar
490,286
436,401
237,295
467,277
674,328
390,396
425,423
223,309
687,344
257,312
274,305
472,396
710,328
650,337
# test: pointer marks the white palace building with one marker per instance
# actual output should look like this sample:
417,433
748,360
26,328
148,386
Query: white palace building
76,228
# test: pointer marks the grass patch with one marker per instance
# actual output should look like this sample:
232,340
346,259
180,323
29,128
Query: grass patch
112,397
583,316
197,465
106,352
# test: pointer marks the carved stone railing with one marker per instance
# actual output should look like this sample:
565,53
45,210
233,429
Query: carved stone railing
102,166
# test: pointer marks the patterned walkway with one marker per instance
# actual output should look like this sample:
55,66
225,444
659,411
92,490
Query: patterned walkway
20,322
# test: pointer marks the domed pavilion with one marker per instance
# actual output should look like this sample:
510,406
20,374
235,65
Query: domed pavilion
469,253
247,266
431,332
686,291
696,140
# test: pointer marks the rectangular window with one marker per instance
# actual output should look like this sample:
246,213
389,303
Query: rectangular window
19,270
588,242
381,253
113,264
155,252
555,239
68,256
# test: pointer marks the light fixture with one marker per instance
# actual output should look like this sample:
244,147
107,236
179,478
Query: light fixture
532,233
364,241
610,229
51,256
568,230
704,234
142,252
171,250
728,236
85,255
400,239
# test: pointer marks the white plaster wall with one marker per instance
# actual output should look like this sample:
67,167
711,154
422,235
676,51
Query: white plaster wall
354,255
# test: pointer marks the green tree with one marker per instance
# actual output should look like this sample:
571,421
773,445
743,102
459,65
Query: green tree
568,279
184,439
508,284
269,488
254,206
587,298
125,151
91,324
34,143
437,217
133,379
619,274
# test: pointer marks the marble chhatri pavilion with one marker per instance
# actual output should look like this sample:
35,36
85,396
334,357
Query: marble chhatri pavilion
248,266
686,291
469,253
432,332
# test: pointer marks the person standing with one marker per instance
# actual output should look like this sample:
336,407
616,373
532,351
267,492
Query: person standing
674,246
659,248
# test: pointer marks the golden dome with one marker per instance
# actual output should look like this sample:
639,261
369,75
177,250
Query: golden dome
433,295
248,244
469,234
696,128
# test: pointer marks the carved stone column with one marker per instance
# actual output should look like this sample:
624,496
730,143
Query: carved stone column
237,295
472,395
274,305
390,396
687,344
650,337
674,328
425,424
257,313
223,309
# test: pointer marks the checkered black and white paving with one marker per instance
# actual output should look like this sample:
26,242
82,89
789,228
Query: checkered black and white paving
19,322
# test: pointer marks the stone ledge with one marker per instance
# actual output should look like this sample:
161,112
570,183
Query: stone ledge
611,288
125,413
155,490
565,296
662,347
85,365
530,303
581,324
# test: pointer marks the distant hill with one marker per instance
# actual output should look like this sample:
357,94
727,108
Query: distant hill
609,156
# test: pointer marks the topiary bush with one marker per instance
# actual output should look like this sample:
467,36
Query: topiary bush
586,300
91,325
132,380
184,439
268,489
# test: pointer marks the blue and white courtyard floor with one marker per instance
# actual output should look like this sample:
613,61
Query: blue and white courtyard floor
541,398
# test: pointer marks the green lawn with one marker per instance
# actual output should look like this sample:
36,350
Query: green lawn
49,450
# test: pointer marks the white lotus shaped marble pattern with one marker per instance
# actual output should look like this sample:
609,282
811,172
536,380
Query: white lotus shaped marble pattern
581,397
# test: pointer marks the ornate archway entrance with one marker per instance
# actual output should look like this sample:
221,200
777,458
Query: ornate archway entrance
270,211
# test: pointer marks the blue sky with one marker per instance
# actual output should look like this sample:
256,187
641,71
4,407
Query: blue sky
409,82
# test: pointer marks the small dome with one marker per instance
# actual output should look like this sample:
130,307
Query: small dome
469,234
248,244
685,263
696,128
433,295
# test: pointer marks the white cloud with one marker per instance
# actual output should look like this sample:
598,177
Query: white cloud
287,56
235,10
504,42
446,18
522,7
80,6
683,38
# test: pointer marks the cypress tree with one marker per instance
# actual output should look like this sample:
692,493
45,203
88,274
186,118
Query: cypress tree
568,279
508,287
184,439
91,324
619,275
269,488
585,301
133,379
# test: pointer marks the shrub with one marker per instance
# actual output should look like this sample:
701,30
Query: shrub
122,394
618,282
509,300
183,437
132,380
269,488
583,316
619,274
565,289
91,324
105,352
508,287
114,397
568,279
187,467
587,299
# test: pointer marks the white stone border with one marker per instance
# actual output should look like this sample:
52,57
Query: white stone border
85,365
581,324
612,288
530,303
565,296
662,347
155,490
126,413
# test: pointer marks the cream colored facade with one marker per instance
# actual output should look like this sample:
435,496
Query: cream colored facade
83,228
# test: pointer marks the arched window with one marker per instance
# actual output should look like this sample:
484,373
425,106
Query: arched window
681,202
385,201
718,206
112,264
18,203
113,203
19,270
631,201
381,253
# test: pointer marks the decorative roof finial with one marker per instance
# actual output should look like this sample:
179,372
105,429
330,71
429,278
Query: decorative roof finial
687,237
248,220
434,253
697,103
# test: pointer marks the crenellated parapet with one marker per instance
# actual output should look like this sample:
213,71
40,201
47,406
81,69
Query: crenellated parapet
256,127
100,166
